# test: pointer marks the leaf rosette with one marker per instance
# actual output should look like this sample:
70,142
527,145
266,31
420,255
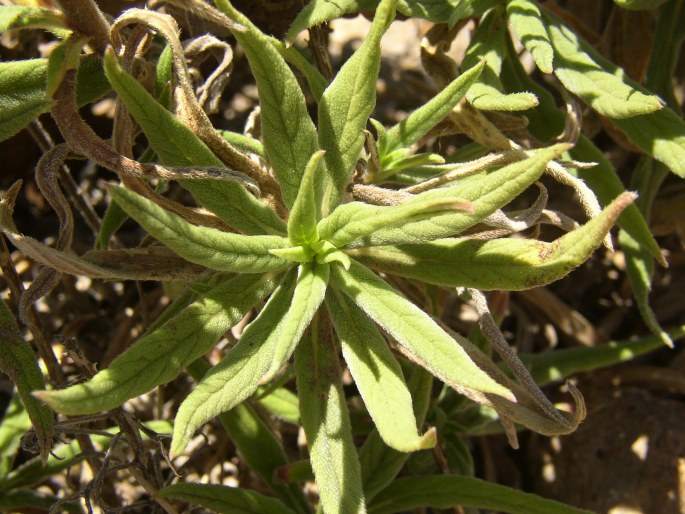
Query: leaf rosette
318,257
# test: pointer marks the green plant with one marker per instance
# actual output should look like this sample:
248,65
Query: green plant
320,247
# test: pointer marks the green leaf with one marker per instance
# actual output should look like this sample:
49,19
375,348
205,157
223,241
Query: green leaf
23,500
177,145
561,364
378,376
22,90
647,179
283,404
355,220
288,132
436,11
596,80
18,362
160,356
244,143
15,423
430,346
257,444
380,463
264,347
489,45
224,499
23,17
22,94
526,20
419,122
326,423
639,5
444,492
507,264
660,135
64,57
346,105
62,457
222,251
487,192
304,215
606,183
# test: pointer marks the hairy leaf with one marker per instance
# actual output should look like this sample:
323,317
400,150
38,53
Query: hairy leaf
222,251
561,364
18,362
160,356
419,122
304,215
356,220
177,145
489,44
346,105
428,344
288,132
444,492
326,423
224,499
597,81
487,192
15,423
380,463
24,17
22,94
525,18
378,376
436,11
660,135
259,447
508,264
266,344
547,121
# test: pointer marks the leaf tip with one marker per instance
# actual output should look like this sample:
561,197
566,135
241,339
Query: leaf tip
429,439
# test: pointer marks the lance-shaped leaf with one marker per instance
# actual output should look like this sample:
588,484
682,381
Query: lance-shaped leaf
560,364
22,94
380,463
264,347
436,11
24,17
177,145
224,499
378,376
486,192
364,221
489,44
547,121
420,121
661,135
304,215
429,345
160,356
22,90
260,448
525,18
648,177
445,492
288,132
346,105
222,251
597,81
508,264
326,423
18,362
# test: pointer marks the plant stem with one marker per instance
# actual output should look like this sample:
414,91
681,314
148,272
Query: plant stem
85,17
